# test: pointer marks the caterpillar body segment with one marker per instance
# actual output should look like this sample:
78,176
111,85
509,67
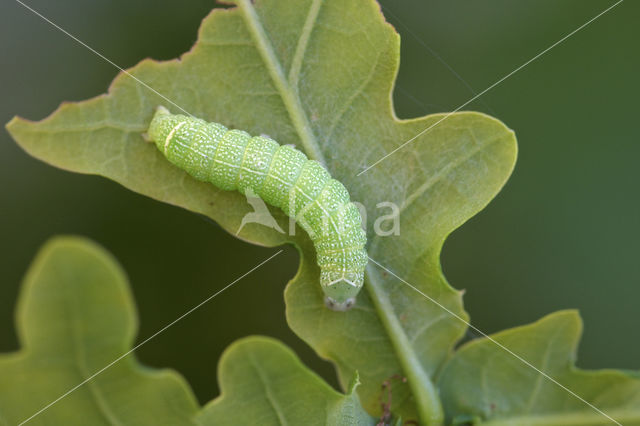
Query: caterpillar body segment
283,177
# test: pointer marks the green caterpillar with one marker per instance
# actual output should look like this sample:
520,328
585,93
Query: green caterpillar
283,177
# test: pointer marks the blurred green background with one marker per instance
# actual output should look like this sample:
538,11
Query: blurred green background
564,232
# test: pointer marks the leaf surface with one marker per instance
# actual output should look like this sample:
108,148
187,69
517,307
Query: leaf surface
263,382
77,325
317,74
75,316
502,390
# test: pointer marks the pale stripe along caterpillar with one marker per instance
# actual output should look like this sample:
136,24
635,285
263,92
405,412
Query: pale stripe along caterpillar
283,177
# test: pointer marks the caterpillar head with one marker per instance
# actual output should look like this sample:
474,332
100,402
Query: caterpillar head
340,289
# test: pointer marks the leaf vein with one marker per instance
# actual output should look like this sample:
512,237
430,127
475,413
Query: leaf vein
443,172
303,42
269,394
290,99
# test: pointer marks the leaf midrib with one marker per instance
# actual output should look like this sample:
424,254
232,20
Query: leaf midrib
289,96
539,380
81,366
426,396
271,399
